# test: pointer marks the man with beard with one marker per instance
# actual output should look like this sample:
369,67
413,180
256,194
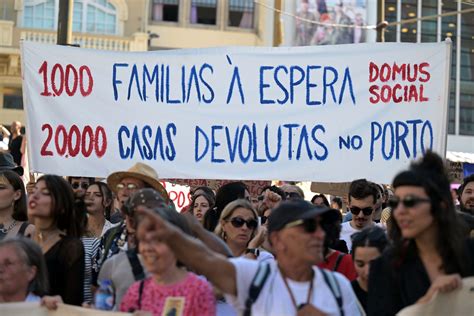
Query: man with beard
79,186
362,203
466,195
466,202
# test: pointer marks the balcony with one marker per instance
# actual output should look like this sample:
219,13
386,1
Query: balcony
137,42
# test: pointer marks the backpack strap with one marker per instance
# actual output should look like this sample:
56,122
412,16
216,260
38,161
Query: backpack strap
110,235
338,261
140,293
256,286
331,281
137,268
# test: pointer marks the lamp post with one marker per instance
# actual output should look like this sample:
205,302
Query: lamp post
65,22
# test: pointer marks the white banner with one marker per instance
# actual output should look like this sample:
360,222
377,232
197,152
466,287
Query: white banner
332,113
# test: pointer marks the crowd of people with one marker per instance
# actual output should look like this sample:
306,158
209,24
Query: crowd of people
375,252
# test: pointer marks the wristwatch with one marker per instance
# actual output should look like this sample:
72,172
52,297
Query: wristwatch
253,251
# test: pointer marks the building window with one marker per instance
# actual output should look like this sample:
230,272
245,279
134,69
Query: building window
466,100
429,27
409,11
204,12
165,10
12,98
448,29
101,17
39,14
391,16
241,13
77,17
89,16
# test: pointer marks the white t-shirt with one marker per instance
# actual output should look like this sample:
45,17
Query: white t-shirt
274,298
346,231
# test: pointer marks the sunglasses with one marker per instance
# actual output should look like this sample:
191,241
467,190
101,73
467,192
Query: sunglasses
238,222
130,186
263,219
407,201
366,210
309,225
83,185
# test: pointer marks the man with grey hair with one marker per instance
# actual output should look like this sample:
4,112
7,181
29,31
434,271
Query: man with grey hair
288,286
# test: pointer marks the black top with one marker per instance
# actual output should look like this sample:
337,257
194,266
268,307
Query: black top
361,294
65,262
14,146
394,285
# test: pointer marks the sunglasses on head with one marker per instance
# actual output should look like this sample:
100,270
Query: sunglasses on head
309,225
238,222
407,201
292,195
366,210
83,185
130,186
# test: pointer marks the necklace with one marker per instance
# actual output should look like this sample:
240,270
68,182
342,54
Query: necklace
293,300
44,236
4,230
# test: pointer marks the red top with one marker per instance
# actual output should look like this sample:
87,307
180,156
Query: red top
346,265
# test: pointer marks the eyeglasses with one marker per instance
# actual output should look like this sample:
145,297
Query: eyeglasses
310,225
129,186
83,185
238,222
263,219
407,201
366,210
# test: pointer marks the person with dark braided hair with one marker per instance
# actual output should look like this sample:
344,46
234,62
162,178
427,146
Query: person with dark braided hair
429,253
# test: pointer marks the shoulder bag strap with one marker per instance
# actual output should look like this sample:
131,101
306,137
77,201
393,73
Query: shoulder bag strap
137,268
331,281
338,261
140,293
256,286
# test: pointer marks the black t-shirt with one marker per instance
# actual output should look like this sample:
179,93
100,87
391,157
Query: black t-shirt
361,294
395,283
65,263
14,146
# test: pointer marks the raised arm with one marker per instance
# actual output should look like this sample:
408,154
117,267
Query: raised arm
209,239
188,250
4,131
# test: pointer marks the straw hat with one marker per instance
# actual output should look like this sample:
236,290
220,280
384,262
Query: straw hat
139,171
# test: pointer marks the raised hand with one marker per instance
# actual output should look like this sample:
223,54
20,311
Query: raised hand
442,284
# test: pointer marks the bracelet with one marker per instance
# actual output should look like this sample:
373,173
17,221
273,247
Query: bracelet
253,251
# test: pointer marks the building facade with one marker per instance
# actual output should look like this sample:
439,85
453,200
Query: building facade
458,25
124,25
138,25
